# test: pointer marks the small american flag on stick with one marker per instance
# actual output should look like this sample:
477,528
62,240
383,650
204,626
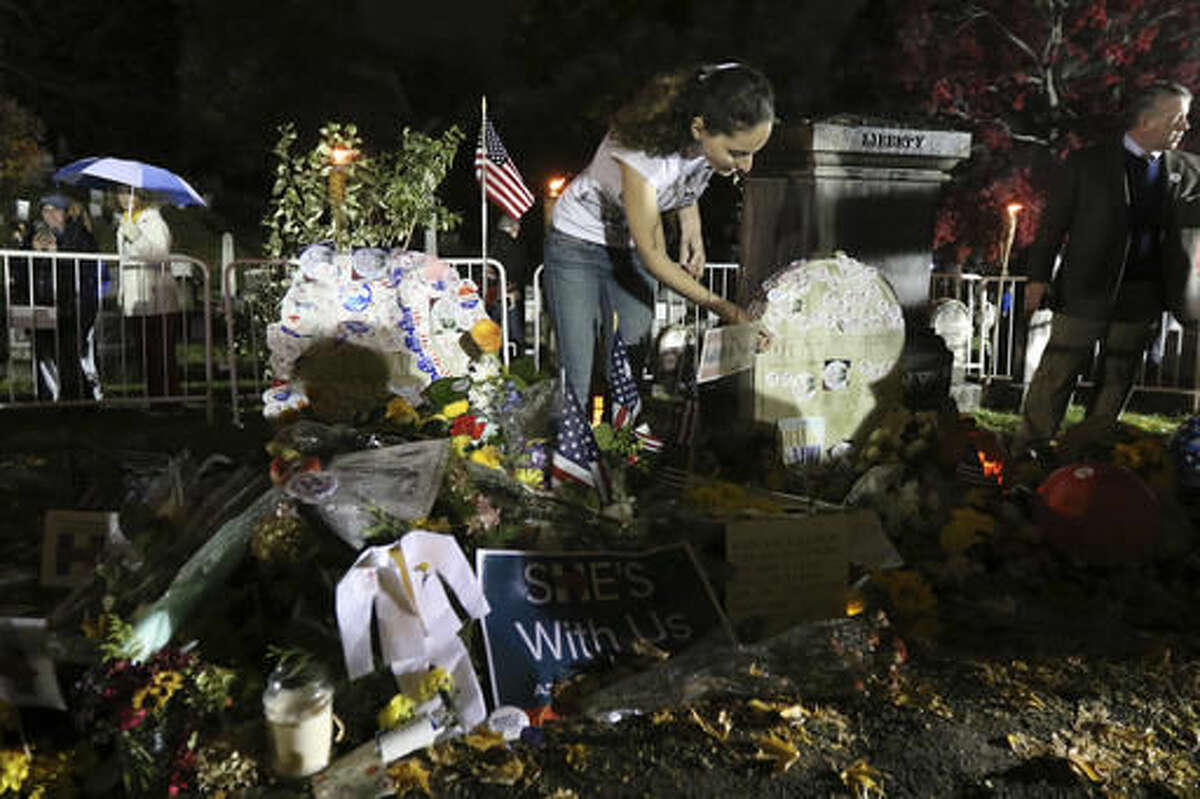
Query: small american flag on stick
499,176
626,402
576,457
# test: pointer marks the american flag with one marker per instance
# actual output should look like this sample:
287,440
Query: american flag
576,456
499,176
626,402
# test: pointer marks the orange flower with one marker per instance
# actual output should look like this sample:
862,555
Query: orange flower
486,334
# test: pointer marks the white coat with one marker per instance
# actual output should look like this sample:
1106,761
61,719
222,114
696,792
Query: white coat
147,287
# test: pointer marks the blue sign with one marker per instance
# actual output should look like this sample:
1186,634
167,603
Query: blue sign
556,613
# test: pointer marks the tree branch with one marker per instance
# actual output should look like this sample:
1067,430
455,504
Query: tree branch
1020,43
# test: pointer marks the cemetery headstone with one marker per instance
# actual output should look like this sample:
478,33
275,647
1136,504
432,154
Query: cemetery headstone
412,308
836,336
951,320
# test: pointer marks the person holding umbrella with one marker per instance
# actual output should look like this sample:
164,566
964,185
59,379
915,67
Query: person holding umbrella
148,297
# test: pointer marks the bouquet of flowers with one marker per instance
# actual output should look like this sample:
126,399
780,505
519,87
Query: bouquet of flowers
147,718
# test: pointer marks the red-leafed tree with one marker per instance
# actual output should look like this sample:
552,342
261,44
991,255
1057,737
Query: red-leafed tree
1032,80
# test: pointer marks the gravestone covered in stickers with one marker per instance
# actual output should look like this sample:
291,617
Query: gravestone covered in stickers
411,307
837,335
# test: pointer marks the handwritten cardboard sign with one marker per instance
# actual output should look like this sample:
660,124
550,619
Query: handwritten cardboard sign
727,350
788,569
555,614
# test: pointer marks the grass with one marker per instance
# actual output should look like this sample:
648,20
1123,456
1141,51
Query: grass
1007,422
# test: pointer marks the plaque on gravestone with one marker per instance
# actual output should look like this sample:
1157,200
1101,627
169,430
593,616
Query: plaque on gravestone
837,333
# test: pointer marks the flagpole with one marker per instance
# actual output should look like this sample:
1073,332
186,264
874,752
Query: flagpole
483,178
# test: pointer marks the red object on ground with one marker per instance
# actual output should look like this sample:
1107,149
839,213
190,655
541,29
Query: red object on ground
1099,513
282,469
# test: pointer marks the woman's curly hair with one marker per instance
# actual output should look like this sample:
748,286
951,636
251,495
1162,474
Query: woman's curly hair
728,97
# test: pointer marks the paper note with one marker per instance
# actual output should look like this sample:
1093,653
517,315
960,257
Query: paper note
787,570
727,350
801,439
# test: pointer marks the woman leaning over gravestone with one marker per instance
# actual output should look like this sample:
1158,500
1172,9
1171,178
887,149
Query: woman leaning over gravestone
606,247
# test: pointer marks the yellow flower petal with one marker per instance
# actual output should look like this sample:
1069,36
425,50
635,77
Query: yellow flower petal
455,409
409,774
396,712
488,456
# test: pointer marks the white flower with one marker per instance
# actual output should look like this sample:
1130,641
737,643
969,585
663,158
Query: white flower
485,368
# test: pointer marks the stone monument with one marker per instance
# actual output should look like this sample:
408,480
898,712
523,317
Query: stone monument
866,187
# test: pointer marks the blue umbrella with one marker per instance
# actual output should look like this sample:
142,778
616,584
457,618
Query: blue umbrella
96,173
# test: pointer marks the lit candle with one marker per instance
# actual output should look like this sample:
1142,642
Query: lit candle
1010,235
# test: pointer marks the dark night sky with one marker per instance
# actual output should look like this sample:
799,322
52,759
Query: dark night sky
201,85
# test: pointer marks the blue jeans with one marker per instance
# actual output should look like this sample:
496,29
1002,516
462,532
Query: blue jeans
586,284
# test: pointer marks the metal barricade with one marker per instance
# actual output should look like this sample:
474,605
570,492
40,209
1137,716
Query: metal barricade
993,308
669,307
998,319
247,278
479,271
672,309
75,337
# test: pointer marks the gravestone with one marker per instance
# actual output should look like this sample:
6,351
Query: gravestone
837,332
411,308
866,187
951,320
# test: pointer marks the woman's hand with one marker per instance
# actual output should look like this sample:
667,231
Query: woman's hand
692,256
734,315
731,314
691,241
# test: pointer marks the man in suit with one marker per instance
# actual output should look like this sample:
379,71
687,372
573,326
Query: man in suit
1119,212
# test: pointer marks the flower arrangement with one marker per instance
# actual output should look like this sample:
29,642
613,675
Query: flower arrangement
900,436
1149,458
151,714
14,769
722,498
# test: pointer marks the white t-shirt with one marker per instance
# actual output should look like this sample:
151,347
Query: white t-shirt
591,208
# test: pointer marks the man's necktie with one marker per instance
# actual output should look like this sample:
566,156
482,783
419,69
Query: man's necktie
1148,200
1151,174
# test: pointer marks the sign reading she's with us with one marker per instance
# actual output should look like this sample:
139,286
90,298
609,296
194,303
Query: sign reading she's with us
554,614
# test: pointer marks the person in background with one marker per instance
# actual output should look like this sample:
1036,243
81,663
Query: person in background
505,245
97,285
1114,213
148,297
606,248
70,285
